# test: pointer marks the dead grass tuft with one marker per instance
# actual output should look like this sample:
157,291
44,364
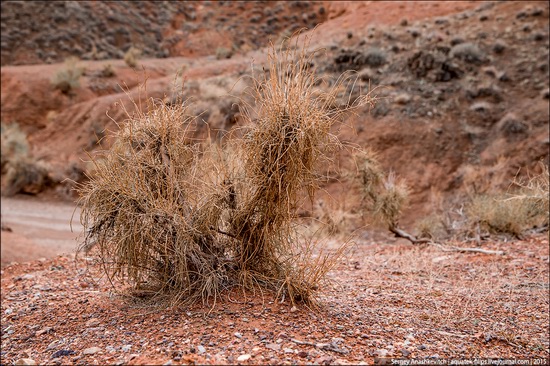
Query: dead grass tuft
131,56
173,214
20,171
68,78
384,195
14,144
515,212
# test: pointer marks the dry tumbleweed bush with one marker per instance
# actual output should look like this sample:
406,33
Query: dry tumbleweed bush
173,214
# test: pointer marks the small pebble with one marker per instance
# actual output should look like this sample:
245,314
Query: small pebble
243,358
25,361
91,350
93,322
126,348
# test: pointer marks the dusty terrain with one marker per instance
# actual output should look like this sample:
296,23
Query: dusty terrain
464,105
390,300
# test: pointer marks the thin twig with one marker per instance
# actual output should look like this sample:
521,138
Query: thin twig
403,234
453,334
302,342
466,250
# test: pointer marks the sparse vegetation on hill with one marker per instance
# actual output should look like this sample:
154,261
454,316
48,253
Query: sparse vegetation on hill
20,171
68,77
131,56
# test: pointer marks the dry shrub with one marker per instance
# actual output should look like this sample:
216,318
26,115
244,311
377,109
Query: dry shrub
535,193
223,53
333,218
25,175
384,196
20,171
148,206
430,227
68,78
515,212
107,71
14,144
481,180
173,214
131,56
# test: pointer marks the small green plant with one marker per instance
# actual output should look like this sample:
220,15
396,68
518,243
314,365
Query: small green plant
131,56
68,77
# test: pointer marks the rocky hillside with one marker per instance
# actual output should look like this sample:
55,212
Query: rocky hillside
462,87
50,31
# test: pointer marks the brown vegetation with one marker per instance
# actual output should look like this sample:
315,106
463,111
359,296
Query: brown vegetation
176,214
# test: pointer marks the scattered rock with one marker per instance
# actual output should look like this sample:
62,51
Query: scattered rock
402,98
273,346
91,350
63,353
303,354
126,348
381,352
510,126
481,107
25,361
468,52
243,358
44,331
499,47
324,360
92,323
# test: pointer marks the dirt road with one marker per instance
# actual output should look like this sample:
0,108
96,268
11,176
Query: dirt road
39,229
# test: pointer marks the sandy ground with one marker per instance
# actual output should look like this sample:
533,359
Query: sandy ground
39,229
386,300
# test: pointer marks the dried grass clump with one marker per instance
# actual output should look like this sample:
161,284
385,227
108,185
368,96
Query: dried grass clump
177,215
384,196
68,78
14,144
535,193
282,152
107,71
430,227
151,207
223,53
20,170
131,56
516,212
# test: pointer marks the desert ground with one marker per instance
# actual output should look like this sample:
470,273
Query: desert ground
462,109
